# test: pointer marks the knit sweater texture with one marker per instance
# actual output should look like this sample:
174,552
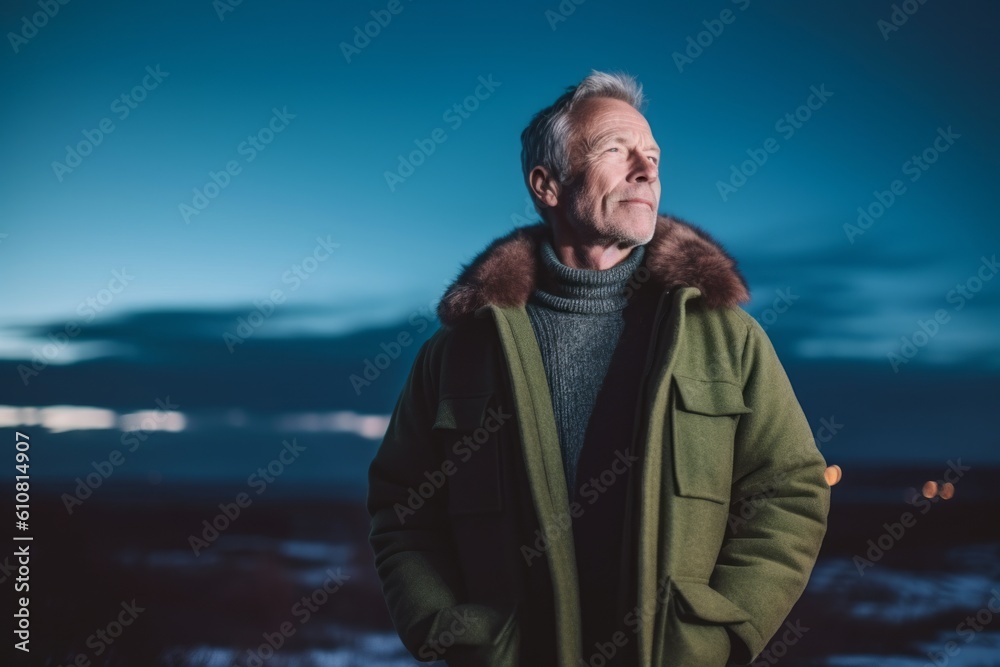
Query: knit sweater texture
593,340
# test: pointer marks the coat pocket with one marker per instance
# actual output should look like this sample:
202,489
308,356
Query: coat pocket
467,435
476,635
692,626
701,601
705,417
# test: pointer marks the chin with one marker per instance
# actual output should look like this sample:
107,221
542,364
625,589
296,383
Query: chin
633,229
637,231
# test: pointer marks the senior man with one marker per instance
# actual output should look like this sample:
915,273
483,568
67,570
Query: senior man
598,458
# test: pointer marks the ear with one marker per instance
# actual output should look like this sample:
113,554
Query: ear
544,186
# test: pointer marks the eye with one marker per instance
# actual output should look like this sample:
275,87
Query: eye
654,159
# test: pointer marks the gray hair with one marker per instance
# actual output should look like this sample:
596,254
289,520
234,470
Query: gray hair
545,141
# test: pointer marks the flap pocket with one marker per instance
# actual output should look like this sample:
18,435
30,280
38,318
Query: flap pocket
461,412
705,422
707,604
710,397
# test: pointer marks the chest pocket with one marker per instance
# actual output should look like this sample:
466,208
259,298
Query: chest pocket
705,417
466,430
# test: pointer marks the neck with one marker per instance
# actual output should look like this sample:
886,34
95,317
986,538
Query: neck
595,254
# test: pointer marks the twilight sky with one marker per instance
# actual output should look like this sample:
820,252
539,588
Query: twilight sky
216,152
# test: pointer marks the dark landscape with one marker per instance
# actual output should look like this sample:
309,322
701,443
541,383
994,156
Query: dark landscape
132,542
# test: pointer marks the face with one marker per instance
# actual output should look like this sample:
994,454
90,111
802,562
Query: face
614,188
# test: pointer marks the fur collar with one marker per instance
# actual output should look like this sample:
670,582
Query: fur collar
678,254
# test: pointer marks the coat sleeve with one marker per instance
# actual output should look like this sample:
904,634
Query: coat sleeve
771,547
415,556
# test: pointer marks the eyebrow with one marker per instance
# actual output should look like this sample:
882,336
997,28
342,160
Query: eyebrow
620,138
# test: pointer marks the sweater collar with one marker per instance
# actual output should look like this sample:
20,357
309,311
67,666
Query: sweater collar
584,291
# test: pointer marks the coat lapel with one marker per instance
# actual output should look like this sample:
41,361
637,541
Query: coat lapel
543,462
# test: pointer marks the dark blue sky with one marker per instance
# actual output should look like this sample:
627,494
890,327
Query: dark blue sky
324,173
266,92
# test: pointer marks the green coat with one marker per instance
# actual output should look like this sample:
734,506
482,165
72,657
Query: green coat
470,515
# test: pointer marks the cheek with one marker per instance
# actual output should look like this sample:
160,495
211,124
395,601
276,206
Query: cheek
587,195
602,185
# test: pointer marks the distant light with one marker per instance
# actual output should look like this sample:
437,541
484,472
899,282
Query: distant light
947,491
60,418
236,418
63,418
372,427
153,420
833,474
930,489
16,416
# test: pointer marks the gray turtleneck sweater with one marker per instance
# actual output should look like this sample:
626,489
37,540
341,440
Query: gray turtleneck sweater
594,340
577,315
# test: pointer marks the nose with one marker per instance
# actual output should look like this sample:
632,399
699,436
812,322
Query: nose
643,169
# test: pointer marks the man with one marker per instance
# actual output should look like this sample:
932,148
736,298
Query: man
598,458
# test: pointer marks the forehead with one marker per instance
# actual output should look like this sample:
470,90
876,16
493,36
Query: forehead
602,115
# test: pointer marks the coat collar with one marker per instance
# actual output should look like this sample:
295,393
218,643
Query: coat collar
679,254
